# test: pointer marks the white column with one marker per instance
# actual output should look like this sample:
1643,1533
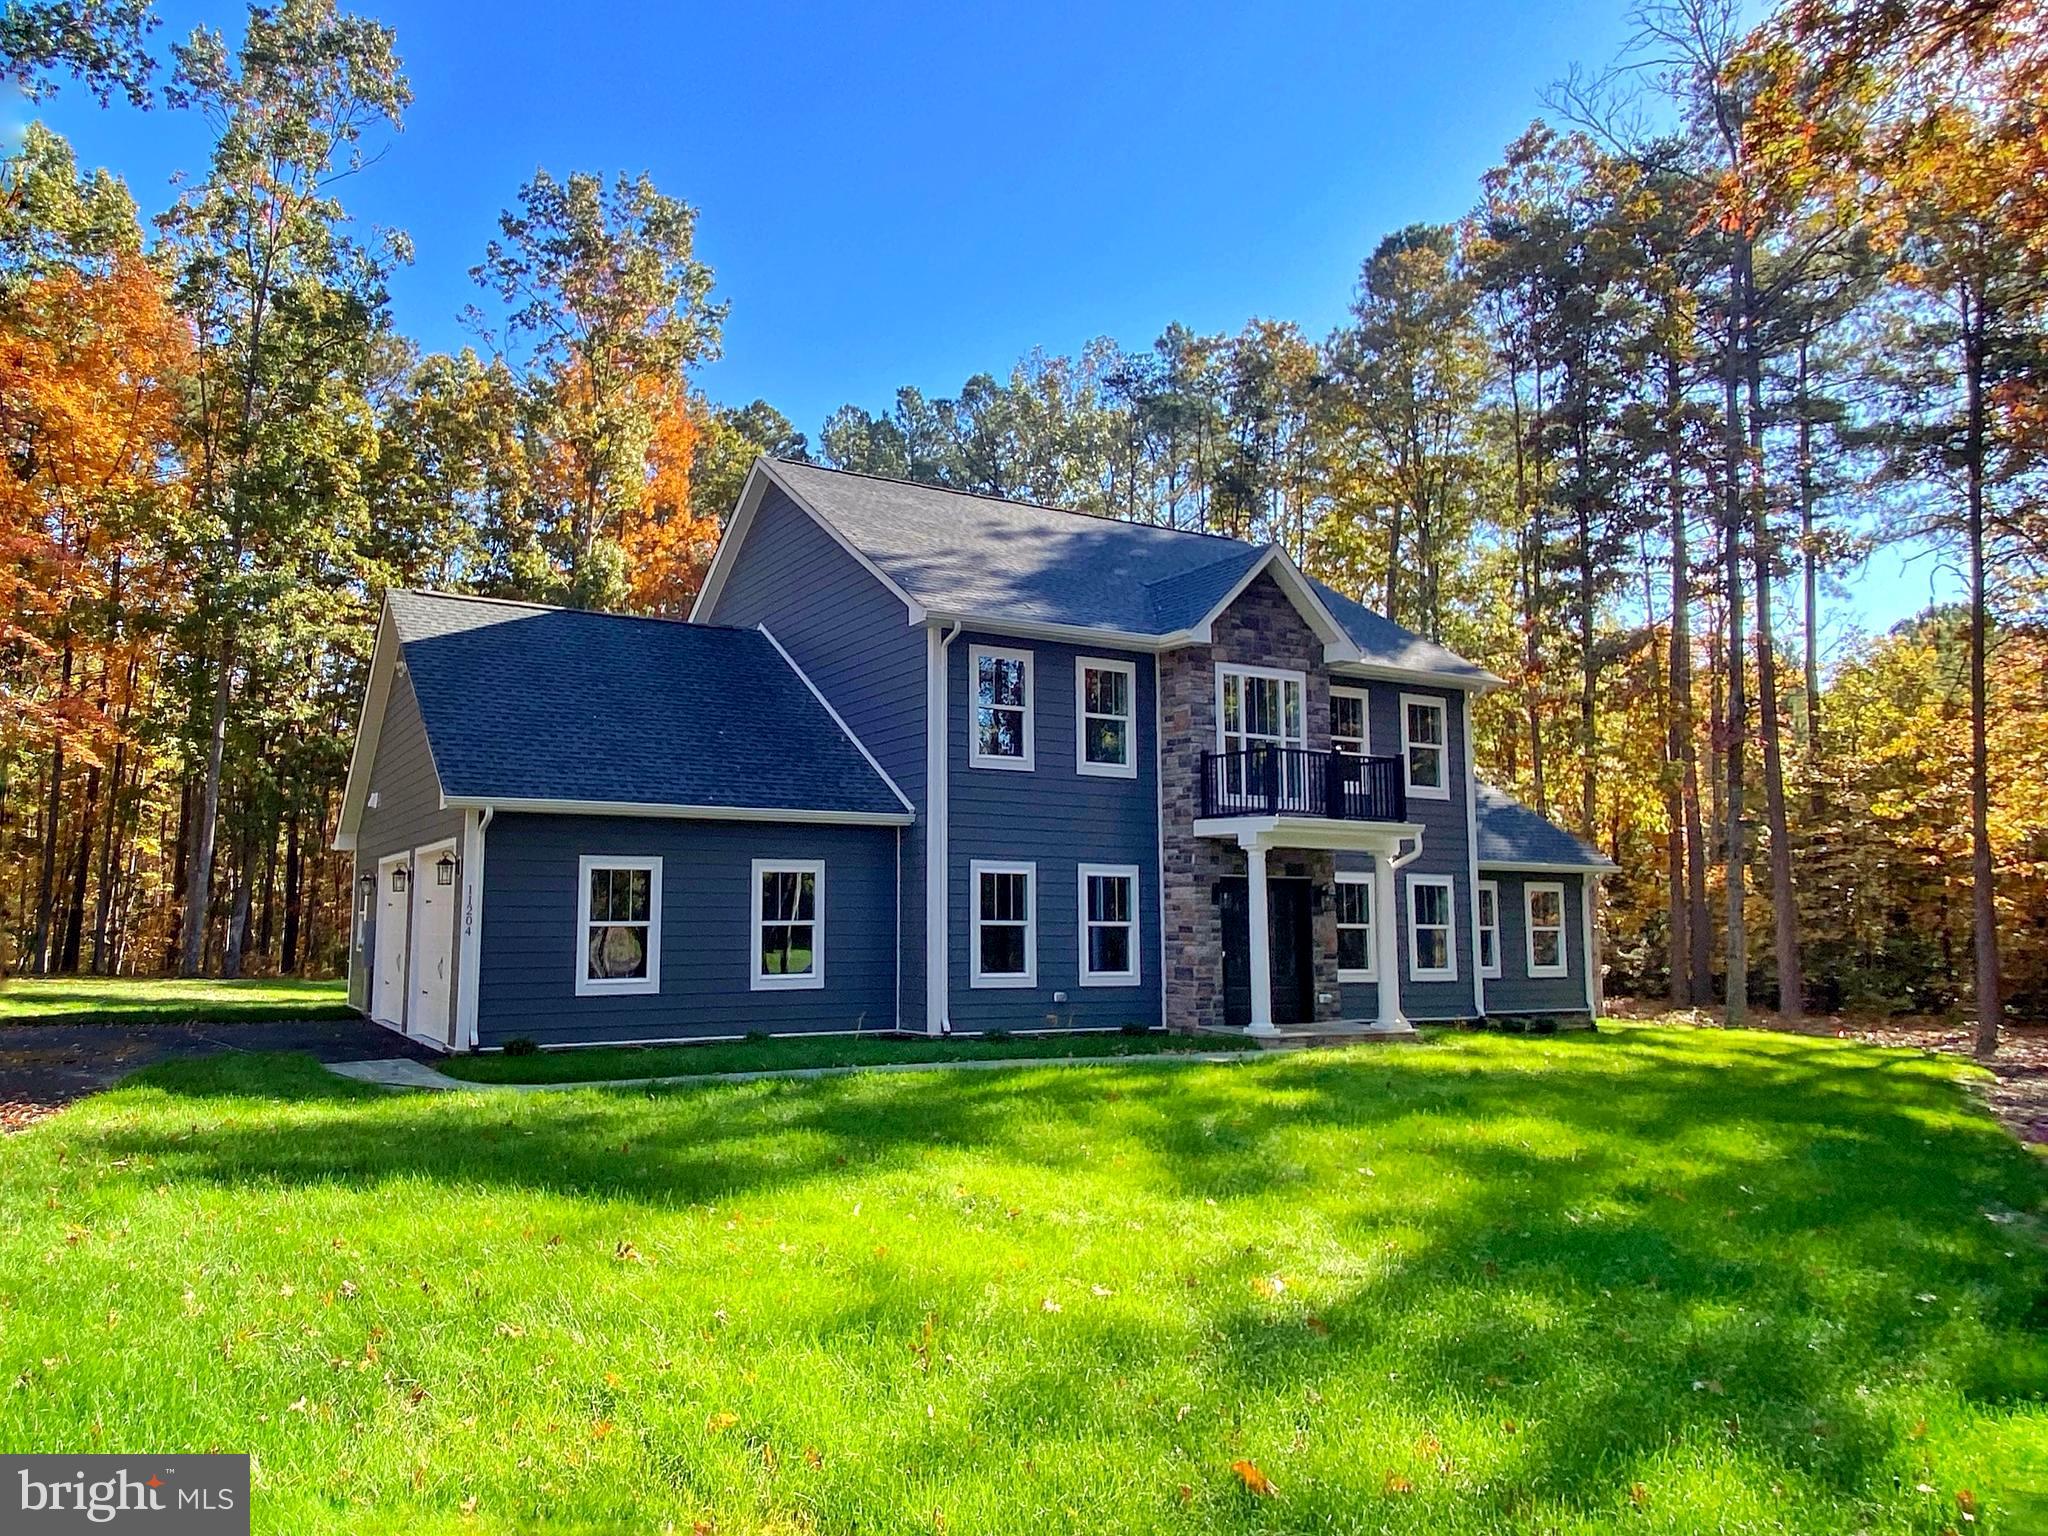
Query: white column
1386,938
1261,937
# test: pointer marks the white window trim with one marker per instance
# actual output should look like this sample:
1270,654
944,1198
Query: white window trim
618,986
1490,972
1529,892
1364,717
1416,970
1125,978
1128,769
1443,710
770,981
1372,935
1273,674
975,758
975,870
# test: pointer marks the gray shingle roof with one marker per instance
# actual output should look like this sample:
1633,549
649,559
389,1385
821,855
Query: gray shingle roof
957,553
523,702
1511,833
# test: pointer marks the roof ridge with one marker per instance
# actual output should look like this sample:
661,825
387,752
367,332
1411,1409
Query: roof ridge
1013,501
595,613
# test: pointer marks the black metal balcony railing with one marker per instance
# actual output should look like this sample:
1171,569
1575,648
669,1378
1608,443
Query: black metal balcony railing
1292,781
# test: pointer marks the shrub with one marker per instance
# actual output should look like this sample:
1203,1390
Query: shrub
522,1045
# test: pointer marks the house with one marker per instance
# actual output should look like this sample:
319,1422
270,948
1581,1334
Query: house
935,762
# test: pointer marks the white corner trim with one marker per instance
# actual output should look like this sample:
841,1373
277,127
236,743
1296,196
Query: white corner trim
1589,892
1029,869
812,980
759,479
1443,709
975,757
1416,970
1371,972
1128,769
469,972
630,986
838,720
1480,973
1133,976
1530,890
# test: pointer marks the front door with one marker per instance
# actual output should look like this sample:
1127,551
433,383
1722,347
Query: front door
1290,941
433,943
387,995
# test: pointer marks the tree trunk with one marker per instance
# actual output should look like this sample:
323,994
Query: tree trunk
1984,905
81,870
103,901
199,877
1784,904
1737,723
1681,799
1809,560
46,886
237,940
180,866
288,959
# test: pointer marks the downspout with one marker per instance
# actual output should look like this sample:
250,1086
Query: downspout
937,882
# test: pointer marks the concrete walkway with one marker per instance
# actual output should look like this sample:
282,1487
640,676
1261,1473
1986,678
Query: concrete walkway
414,1074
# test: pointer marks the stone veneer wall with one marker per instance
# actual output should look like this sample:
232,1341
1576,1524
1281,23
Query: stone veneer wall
1261,629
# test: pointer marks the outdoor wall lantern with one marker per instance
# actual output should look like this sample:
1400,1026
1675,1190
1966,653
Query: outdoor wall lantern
398,879
444,869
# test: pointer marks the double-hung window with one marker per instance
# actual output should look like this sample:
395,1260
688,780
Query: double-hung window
618,921
1000,682
1426,746
1357,951
1005,924
1109,925
1259,711
1348,731
1432,928
1543,913
1105,709
1489,928
789,924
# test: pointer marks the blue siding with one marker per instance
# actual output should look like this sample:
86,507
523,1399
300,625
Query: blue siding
1062,819
1446,850
1515,990
853,639
531,945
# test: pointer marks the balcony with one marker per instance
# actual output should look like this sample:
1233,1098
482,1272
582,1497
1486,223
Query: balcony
1292,781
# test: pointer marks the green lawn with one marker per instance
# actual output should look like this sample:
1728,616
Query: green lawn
627,1061
165,1000
1645,1281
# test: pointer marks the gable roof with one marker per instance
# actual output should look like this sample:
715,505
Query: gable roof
559,708
954,555
1511,835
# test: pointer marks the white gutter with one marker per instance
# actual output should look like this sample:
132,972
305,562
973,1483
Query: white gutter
937,991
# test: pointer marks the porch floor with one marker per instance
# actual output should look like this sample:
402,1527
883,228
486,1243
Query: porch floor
1294,1037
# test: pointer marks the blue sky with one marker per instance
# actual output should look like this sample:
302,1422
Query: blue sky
897,194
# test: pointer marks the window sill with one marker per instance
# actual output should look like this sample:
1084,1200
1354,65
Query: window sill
634,988
788,983
1421,792
1415,975
1550,973
1106,771
1005,764
1000,983
1121,979
1354,978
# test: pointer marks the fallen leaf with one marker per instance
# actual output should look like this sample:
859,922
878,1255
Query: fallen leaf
1186,1495
718,1423
1316,1326
1257,1481
1048,1305
1638,1495
813,1457
1396,1483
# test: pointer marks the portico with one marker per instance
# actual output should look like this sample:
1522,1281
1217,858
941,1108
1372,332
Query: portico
1259,837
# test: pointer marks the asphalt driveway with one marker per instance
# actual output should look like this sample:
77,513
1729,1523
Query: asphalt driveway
45,1066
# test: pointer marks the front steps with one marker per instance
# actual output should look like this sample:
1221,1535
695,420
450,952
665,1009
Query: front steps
1296,1037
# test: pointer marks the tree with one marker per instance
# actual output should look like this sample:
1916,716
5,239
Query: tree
611,308
100,43
282,300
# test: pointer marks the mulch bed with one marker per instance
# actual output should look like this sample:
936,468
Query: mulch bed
2017,1093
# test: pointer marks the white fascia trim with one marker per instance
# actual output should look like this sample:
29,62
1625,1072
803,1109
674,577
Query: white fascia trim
1127,978
1367,671
1379,837
759,478
677,812
859,746
369,727
1338,645
812,980
1128,769
1530,890
1519,867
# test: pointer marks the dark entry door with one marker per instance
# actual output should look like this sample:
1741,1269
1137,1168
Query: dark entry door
1289,937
